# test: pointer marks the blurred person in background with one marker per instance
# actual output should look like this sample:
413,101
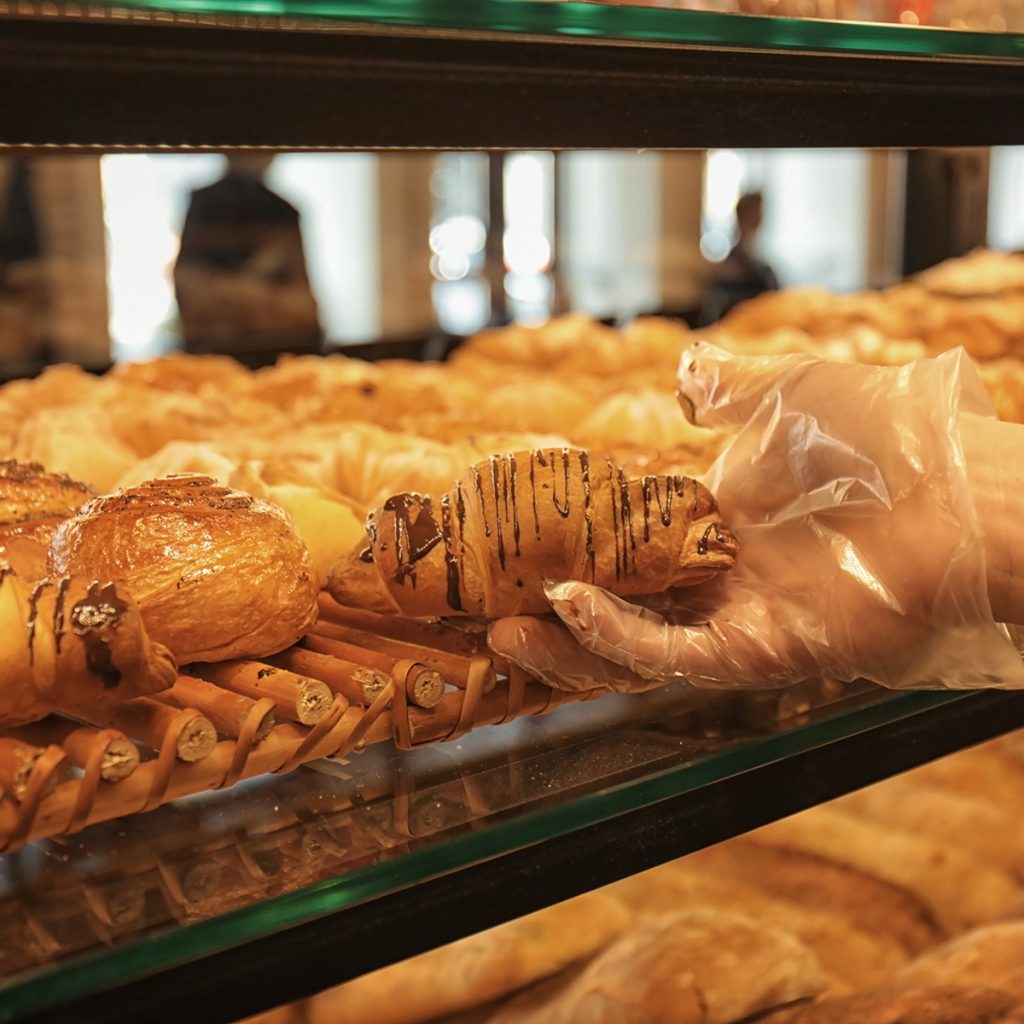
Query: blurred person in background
240,276
742,274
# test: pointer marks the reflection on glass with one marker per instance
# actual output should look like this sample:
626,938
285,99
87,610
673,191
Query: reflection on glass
380,821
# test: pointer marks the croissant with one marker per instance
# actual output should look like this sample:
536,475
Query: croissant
71,642
486,547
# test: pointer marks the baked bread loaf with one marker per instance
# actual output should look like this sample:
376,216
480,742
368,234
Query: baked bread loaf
217,573
477,969
701,966
994,837
961,891
32,503
70,642
852,959
992,956
869,903
487,546
932,1004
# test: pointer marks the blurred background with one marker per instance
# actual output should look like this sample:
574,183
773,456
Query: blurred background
126,256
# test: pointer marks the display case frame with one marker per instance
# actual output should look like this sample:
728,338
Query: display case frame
103,79
145,78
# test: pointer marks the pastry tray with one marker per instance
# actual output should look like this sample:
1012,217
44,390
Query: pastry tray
225,901
472,688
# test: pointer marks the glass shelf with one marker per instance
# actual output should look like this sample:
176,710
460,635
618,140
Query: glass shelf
571,19
218,874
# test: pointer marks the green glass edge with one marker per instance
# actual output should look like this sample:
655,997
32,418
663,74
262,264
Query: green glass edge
572,18
104,970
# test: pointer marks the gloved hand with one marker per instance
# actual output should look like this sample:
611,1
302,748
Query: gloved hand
861,555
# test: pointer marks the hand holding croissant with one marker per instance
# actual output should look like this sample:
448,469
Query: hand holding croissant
864,534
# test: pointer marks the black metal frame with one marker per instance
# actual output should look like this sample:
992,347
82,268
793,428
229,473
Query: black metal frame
101,84
105,83
308,958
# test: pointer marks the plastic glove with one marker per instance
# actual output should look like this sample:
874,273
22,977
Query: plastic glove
861,555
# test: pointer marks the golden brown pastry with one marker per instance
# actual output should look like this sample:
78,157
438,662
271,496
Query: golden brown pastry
850,957
700,966
217,573
329,525
77,440
992,836
992,956
986,773
180,372
647,418
32,503
486,547
1004,381
927,1004
558,344
476,969
960,890
69,642
871,904
980,272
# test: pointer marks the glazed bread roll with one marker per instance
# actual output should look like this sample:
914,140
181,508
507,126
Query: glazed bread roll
486,547
217,573
32,503
70,642
329,525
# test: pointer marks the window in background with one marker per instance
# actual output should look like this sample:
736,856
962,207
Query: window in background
1006,198
144,203
145,199
816,223
529,243
609,226
337,197
458,236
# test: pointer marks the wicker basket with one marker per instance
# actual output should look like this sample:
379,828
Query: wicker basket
71,782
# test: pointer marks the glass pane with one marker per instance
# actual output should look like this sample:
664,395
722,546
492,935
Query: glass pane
138,894
972,27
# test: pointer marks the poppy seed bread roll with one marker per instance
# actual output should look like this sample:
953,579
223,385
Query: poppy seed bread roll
217,573
513,521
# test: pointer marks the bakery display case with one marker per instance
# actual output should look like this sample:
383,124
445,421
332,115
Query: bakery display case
242,896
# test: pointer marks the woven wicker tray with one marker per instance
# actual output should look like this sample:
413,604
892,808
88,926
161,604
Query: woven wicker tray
59,787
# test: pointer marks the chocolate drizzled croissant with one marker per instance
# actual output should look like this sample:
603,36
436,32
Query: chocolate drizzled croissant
512,522
69,642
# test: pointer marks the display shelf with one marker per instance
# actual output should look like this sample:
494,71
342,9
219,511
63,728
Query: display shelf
224,904
574,19
490,74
